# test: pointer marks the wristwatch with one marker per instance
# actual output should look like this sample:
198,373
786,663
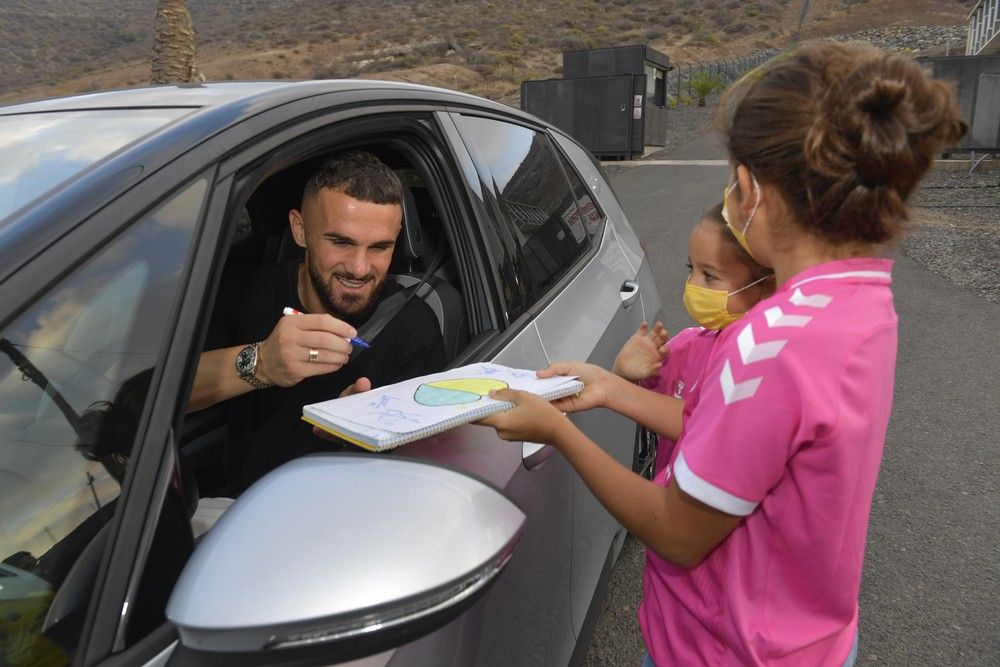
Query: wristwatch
246,366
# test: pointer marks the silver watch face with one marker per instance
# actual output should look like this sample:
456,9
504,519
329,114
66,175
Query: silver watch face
246,360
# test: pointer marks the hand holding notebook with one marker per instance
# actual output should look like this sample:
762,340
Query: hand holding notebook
390,416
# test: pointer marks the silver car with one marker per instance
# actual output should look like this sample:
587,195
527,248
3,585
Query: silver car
121,213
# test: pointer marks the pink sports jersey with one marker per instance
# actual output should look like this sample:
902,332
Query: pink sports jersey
689,352
786,428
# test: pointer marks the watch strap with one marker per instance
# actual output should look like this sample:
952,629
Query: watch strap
251,377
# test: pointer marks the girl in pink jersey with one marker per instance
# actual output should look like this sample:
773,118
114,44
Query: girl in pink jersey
723,283
756,528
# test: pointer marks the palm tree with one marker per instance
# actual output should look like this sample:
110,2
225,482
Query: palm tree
173,44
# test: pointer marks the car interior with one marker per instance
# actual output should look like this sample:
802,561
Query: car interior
422,261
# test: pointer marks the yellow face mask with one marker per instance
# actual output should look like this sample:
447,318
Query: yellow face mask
710,307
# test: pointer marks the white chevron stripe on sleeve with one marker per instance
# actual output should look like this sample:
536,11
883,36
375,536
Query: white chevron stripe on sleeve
708,493
750,351
813,301
732,392
777,318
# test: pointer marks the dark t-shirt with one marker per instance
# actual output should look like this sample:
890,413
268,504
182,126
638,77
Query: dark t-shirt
265,426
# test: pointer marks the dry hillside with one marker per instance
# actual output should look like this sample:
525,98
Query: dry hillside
52,47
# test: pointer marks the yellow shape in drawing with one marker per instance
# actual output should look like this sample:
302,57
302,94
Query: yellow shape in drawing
457,391
481,386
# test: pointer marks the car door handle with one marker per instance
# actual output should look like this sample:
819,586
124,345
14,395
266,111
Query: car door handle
629,293
533,453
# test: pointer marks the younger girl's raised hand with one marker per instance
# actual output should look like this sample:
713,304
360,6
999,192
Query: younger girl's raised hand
643,354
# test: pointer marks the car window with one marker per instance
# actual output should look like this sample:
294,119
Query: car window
534,196
75,368
590,213
40,150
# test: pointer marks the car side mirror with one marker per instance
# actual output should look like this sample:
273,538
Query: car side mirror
336,556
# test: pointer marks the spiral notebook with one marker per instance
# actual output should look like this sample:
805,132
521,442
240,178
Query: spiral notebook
393,415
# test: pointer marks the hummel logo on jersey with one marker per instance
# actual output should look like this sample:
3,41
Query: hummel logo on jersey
750,351
731,391
777,318
813,301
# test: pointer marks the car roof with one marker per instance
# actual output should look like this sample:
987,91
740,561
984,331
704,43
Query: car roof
214,107
197,95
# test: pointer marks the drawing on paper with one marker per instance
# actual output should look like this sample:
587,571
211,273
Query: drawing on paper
456,391
392,417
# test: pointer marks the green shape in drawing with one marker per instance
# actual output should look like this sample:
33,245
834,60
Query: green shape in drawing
456,391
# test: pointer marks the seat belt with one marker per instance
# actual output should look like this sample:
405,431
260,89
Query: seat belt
389,307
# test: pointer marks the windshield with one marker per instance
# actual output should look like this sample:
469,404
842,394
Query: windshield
39,151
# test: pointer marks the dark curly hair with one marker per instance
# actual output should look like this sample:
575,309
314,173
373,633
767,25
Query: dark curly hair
357,174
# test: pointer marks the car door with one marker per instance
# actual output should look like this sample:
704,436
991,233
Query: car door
577,289
80,461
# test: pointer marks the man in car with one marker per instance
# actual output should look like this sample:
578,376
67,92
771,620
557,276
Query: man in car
268,365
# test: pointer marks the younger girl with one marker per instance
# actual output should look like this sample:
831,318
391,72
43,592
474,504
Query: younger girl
724,282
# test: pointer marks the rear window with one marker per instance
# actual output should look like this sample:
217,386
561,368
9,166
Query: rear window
39,151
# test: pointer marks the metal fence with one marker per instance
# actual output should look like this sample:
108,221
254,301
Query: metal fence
681,80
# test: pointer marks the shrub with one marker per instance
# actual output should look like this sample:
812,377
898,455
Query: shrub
572,43
673,18
705,83
480,57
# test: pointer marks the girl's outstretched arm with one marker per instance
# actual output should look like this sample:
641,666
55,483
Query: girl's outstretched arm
677,527
657,412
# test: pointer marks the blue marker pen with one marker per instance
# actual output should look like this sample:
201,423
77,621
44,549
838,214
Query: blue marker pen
356,342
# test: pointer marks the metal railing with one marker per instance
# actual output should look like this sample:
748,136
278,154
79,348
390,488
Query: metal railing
984,28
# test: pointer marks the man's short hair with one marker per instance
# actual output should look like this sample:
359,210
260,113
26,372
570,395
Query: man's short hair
357,174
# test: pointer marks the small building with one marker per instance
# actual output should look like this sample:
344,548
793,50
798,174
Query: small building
613,100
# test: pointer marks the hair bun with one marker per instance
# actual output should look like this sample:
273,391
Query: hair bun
844,132
882,96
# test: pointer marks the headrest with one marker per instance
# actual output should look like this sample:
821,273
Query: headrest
411,237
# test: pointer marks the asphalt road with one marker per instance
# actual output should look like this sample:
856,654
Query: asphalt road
931,588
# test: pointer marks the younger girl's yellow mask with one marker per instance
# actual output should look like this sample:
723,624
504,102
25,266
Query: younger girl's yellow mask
710,307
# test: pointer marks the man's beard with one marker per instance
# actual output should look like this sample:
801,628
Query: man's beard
352,309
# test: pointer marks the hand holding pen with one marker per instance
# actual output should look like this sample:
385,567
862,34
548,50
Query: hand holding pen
303,346
355,341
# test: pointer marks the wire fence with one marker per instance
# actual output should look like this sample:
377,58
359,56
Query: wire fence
693,81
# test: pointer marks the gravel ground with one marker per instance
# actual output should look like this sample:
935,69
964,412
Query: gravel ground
956,229
686,123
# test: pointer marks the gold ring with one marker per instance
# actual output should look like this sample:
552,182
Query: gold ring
313,356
